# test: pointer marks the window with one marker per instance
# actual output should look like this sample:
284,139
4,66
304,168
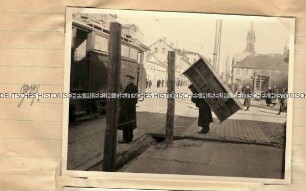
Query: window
101,43
237,71
124,51
156,50
164,50
133,53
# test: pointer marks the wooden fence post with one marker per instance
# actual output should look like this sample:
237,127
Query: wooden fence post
113,81
171,100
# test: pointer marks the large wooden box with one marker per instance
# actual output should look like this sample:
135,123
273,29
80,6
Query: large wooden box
206,80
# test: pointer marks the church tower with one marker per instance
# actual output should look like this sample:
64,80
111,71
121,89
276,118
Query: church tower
286,53
250,40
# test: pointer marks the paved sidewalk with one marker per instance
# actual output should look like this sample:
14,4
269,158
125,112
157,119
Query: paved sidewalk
231,130
86,138
86,143
191,157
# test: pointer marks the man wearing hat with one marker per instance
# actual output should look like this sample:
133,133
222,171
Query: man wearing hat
127,114
205,116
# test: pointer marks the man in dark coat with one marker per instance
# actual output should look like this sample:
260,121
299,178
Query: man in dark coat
127,114
247,100
269,96
283,102
205,116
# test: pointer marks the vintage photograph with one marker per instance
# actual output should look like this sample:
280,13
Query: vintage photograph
179,93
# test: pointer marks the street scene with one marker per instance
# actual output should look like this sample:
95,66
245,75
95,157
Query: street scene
232,137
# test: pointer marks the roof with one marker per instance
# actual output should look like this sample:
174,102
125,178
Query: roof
151,57
140,45
161,40
263,61
133,26
186,52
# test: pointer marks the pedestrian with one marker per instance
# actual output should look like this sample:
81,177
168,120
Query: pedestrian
150,84
205,116
127,114
269,96
247,97
158,83
283,102
243,88
275,92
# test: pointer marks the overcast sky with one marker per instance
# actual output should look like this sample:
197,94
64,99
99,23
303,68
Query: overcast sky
196,32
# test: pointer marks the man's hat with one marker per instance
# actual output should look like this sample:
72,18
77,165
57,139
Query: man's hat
129,76
191,86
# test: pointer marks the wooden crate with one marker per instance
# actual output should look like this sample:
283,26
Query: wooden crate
206,80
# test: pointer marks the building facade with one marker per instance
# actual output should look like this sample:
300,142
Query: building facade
157,64
261,71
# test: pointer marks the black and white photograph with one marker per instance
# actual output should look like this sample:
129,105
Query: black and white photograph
178,93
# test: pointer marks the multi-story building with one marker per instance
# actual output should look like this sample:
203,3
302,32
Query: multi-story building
156,64
132,31
260,71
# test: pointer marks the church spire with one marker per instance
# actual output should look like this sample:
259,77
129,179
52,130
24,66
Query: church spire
286,53
250,40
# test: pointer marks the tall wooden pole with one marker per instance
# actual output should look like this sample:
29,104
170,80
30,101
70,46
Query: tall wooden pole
171,101
113,81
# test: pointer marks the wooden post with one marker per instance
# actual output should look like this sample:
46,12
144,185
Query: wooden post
254,83
171,101
113,81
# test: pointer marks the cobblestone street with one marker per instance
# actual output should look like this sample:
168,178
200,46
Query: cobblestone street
259,126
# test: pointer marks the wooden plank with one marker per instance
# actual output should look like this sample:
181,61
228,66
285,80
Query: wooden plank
300,24
31,40
25,182
31,22
171,100
299,134
32,58
298,171
30,130
31,75
299,82
29,165
300,46
299,153
30,148
113,82
299,103
299,63
36,112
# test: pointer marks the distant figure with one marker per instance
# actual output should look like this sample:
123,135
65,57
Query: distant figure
275,91
283,102
163,83
127,114
158,83
150,84
243,88
147,83
247,100
205,116
269,96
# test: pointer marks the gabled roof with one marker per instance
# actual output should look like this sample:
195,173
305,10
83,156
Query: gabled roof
263,61
161,40
151,57
127,26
